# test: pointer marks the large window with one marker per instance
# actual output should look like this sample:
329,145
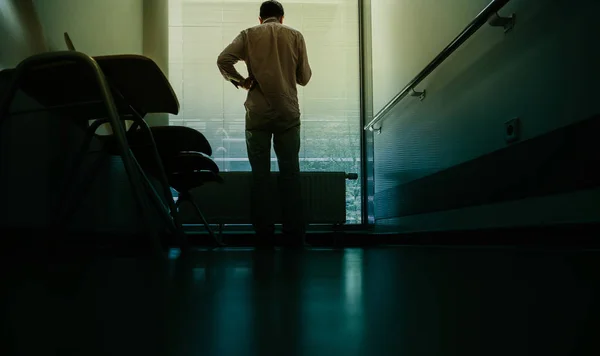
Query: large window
330,104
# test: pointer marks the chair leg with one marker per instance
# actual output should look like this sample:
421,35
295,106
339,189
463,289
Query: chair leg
206,225
180,235
188,197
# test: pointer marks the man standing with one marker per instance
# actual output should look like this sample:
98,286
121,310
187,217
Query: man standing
277,61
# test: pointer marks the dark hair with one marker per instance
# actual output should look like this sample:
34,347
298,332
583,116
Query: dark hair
271,8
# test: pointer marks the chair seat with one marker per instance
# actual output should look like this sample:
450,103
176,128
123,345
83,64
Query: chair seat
170,140
189,162
184,182
184,153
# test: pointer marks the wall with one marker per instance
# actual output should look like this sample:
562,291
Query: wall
156,44
20,32
97,27
544,71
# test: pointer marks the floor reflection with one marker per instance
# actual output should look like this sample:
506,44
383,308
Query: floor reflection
388,301
353,292
273,302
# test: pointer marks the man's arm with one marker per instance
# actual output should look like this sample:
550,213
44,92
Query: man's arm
303,72
235,52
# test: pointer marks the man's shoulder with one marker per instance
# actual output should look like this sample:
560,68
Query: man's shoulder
252,28
292,30
279,26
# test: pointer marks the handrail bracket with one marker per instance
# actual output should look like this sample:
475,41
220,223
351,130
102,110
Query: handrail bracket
508,22
419,94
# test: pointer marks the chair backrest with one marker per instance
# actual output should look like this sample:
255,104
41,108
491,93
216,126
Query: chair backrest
69,43
126,72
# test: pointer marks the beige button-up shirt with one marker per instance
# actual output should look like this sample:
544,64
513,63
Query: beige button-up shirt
277,60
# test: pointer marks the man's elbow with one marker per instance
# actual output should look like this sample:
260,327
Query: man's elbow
303,80
221,61
224,65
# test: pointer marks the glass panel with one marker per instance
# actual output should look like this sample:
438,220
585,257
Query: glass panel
330,104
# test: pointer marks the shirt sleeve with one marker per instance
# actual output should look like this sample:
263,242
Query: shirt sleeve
233,53
303,72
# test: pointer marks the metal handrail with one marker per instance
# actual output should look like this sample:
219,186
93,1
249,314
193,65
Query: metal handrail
490,12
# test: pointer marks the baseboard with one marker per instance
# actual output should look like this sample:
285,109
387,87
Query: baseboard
554,236
579,207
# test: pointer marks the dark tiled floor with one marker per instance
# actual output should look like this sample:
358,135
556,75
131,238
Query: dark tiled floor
378,301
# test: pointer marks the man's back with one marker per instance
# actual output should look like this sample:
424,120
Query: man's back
277,61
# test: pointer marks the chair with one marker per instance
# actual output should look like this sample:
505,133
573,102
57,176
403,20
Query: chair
84,94
184,152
